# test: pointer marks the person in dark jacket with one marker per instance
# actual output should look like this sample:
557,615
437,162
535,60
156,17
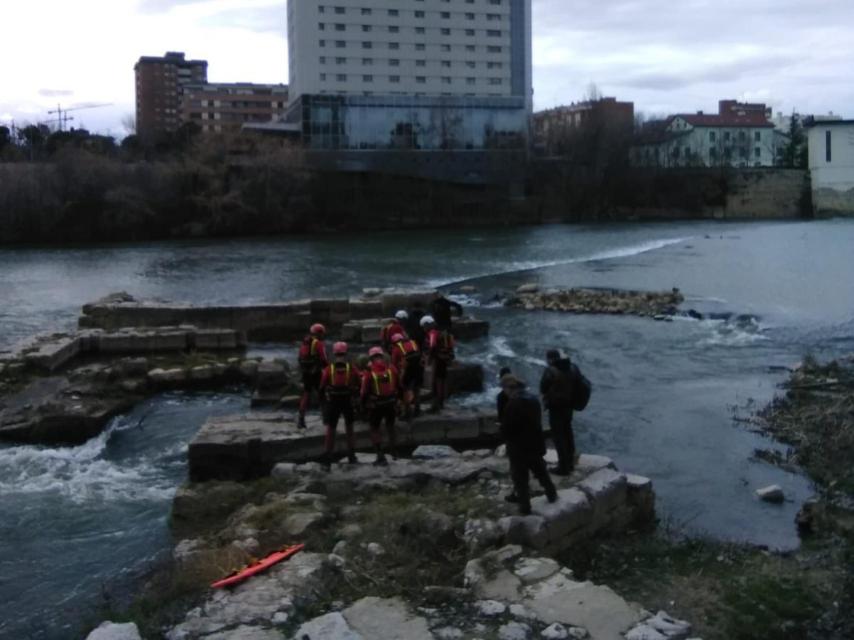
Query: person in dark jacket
556,387
502,397
522,430
413,325
442,310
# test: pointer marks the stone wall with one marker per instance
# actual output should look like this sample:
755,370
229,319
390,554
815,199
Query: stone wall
831,202
285,320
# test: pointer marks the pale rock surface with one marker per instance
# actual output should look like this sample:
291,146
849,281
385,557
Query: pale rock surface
332,626
514,631
111,631
378,619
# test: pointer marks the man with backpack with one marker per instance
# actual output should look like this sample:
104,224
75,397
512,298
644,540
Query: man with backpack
440,354
380,391
564,390
340,385
312,360
406,358
392,329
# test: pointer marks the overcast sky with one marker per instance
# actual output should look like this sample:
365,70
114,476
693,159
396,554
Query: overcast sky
665,55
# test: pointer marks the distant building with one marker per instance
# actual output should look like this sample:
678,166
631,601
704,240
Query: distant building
159,89
739,135
218,107
553,127
410,75
831,162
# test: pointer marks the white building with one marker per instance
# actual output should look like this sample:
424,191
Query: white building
831,162
739,135
411,74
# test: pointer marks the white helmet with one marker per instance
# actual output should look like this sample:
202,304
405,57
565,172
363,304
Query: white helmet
401,315
426,321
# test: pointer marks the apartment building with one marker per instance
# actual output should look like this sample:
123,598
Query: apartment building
739,135
159,91
220,107
555,129
411,74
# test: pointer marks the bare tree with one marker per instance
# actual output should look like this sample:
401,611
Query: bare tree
129,124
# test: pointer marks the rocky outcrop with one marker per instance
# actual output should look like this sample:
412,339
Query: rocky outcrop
111,631
602,301
509,590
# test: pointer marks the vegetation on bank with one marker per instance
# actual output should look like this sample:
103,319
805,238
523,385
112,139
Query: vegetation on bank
739,592
75,187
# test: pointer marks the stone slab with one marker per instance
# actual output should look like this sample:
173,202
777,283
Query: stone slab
388,619
242,447
604,614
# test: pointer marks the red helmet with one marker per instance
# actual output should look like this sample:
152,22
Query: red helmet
376,352
340,349
398,337
318,330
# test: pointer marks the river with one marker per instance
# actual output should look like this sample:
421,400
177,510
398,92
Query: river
76,523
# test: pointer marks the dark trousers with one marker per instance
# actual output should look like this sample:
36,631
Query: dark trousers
560,422
335,409
376,416
521,463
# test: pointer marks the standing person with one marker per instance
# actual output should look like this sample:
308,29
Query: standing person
380,390
557,386
440,354
406,358
392,329
443,309
312,360
522,430
502,397
340,385
413,325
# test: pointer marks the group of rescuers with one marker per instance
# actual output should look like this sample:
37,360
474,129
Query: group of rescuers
389,386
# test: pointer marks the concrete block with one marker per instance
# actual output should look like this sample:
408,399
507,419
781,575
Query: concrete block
361,309
571,512
530,531
54,354
607,491
170,341
215,339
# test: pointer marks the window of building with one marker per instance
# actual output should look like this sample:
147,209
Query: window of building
757,136
757,152
827,146
712,136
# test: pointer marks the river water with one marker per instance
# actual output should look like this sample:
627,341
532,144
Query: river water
78,523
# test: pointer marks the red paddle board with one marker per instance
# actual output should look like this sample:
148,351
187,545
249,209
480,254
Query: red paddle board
259,566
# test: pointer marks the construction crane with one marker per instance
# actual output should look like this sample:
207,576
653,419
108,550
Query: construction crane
62,116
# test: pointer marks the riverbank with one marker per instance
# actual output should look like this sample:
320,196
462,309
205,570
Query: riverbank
211,193
741,592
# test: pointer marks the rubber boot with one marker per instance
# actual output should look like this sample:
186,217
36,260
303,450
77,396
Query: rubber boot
326,462
301,422
381,460
351,458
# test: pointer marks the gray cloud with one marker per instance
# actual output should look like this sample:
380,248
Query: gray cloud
262,20
56,93
686,55
164,6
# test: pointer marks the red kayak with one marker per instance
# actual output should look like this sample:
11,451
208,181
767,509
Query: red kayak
258,567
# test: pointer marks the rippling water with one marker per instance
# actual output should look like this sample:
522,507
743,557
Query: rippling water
73,520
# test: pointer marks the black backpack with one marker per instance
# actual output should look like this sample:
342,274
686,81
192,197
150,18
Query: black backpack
582,388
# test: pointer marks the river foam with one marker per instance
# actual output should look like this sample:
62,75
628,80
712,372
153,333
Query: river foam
83,474
531,265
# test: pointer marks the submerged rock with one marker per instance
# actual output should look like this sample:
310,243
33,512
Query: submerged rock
773,494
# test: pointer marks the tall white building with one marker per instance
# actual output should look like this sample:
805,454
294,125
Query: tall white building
411,74
831,161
